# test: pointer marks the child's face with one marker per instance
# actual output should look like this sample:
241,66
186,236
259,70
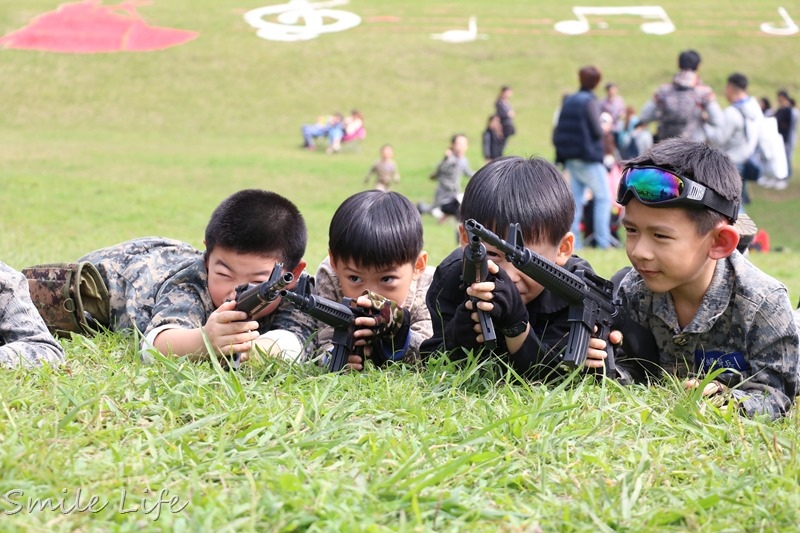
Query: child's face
528,289
227,270
392,283
460,145
387,153
663,245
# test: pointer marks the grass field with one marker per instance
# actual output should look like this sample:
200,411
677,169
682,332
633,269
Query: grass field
96,149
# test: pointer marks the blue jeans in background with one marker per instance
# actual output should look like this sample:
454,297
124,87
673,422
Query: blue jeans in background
583,175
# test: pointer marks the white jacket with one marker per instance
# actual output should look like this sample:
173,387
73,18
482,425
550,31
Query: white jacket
730,135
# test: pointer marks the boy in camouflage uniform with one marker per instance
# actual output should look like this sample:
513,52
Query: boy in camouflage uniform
24,339
707,306
173,293
375,256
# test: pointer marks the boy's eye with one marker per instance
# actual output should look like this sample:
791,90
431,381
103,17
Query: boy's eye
630,231
388,279
661,236
494,256
352,278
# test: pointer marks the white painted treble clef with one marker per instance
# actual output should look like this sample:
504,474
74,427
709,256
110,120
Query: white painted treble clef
300,20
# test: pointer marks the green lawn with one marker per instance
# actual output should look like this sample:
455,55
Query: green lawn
96,149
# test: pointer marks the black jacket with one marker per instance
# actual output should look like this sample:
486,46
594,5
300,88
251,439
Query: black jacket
539,356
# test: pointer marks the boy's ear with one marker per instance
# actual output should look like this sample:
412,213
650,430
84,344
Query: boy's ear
420,264
725,240
462,236
565,248
299,269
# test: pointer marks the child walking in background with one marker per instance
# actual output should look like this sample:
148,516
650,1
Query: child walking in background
384,170
375,254
493,139
454,165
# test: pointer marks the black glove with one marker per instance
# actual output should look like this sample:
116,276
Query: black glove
460,331
509,312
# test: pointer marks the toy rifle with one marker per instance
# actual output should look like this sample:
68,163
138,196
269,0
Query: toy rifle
590,297
475,268
252,298
340,316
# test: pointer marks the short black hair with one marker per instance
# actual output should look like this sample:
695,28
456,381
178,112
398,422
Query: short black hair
738,80
688,60
531,192
376,229
699,162
456,136
254,221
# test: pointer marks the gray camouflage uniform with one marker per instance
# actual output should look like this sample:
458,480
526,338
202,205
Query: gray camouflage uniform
744,322
421,328
156,283
24,338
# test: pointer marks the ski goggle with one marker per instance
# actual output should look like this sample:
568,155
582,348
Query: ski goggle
656,187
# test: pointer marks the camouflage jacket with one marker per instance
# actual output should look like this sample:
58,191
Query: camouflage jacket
24,338
328,286
155,282
744,322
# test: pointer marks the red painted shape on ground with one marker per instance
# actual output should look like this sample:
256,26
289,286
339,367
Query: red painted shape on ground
87,27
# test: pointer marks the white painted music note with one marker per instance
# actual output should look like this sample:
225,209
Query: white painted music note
661,26
789,28
290,16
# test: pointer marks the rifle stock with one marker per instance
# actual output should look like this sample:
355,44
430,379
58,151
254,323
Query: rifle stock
590,297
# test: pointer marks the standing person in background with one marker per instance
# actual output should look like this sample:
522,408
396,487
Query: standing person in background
493,139
578,142
787,116
737,134
453,166
384,170
683,106
502,107
614,105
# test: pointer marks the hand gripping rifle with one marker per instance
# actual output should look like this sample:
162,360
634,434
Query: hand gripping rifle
252,298
475,268
341,316
590,297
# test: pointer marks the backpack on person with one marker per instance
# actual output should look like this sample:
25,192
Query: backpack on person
678,107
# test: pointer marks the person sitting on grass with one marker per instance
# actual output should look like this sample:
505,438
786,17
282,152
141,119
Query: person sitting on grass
24,338
175,294
331,127
708,307
531,322
375,245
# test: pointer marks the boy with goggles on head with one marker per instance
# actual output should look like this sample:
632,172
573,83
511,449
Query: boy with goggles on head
708,307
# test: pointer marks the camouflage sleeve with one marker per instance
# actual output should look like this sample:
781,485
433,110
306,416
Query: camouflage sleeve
25,339
421,323
771,384
327,286
181,304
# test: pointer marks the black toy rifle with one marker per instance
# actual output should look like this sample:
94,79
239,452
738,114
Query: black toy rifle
252,298
590,297
475,268
340,316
